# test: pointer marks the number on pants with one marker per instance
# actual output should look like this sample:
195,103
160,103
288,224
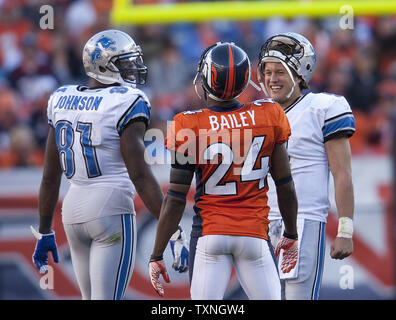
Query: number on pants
213,186
64,135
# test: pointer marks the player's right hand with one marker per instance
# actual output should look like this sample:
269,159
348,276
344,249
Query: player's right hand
45,243
290,253
157,268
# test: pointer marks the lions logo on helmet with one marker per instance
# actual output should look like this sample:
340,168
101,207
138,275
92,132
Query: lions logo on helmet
103,43
111,56
224,69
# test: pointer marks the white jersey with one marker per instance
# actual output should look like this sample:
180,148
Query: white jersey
88,124
314,119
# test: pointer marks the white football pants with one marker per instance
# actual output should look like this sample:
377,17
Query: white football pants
307,284
253,261
103,255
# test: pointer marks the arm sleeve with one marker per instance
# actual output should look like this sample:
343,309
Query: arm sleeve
170,139
180,141
49,112
139,110
339,120
180,134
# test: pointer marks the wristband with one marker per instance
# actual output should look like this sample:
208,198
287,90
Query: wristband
290,236
156,258
345,227
283,181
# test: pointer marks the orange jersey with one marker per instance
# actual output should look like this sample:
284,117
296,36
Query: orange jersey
231,148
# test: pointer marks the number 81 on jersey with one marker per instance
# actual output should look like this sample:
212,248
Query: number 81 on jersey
65,136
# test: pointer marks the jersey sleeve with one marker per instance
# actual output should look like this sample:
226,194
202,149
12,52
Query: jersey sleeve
180,134
283,130
136,107
181,141
170,139
339,119
50,109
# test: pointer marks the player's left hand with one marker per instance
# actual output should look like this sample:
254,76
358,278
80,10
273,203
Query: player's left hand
157,268
290,253
341,248
179,247
45,243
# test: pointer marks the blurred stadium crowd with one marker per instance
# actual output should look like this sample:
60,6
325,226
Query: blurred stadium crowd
359,64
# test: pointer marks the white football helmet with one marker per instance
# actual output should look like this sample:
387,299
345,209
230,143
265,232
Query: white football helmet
111,56
291,49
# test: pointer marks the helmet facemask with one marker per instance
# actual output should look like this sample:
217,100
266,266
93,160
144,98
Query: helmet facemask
198,75
130,66
285,48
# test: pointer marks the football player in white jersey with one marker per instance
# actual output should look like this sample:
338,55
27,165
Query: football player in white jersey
321,124
96,139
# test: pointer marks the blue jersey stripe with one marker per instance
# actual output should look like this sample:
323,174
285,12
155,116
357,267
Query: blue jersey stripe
342,115
133,250
319,270
140,109
345,123
126,258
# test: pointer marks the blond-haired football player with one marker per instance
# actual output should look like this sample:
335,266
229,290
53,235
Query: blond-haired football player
321,124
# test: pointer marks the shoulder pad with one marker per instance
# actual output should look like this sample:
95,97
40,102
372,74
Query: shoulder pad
138,92
127,94
120,90
61,89
124,89
328,99
329,96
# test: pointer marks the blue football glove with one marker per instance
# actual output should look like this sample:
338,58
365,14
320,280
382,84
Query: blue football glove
179,246
45,243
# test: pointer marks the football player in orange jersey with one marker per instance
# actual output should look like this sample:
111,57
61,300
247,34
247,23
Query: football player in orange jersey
230,225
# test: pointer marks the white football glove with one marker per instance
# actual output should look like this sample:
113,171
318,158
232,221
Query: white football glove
179,246
290,253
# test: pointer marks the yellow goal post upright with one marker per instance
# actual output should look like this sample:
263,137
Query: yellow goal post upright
125,12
